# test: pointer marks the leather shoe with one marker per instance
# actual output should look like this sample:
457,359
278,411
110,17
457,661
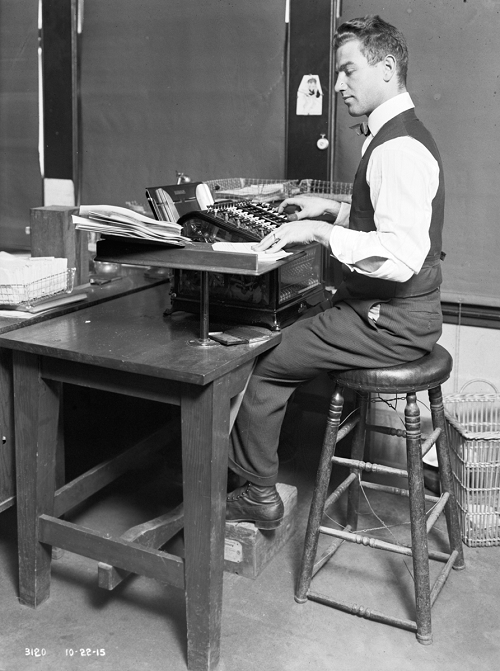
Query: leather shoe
255,503
234,480
431,479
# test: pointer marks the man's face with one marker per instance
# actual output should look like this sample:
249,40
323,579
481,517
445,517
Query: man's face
360,84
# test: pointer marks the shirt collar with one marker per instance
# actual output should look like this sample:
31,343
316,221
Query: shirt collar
388,110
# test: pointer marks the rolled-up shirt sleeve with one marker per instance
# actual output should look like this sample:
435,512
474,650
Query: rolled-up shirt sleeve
403,177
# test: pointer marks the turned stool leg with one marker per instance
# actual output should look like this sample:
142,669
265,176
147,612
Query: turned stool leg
446,476
357,453
418,520
319,494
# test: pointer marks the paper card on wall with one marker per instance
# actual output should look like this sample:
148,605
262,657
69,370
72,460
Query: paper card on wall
310,96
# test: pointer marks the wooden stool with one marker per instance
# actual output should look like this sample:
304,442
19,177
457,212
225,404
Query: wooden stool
428,373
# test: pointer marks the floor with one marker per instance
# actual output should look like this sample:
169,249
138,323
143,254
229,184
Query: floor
140,626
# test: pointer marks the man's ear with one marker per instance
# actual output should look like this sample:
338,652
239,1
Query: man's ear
390,67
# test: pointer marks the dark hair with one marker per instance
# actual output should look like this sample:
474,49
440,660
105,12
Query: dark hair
378,39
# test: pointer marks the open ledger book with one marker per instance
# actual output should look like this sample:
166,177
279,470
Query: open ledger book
122,222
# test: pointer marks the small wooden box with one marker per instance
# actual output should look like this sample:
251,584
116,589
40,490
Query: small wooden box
248,550
52,233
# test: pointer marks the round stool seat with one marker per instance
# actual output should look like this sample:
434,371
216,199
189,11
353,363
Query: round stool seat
427,372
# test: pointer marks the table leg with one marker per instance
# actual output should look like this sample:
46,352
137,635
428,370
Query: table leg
7,458
36,429
205,431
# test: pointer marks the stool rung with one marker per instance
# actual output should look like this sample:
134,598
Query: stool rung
394,490
337,493
401,433
427,444
433,554
377,544
367,541
386,430
328,553
361,611
442,577
348,426
438,509
367,466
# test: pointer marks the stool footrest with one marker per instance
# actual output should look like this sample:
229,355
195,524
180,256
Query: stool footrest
361,611
367,466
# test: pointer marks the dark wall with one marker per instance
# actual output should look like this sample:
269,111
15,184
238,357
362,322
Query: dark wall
20,182
200,87
183,85
453,78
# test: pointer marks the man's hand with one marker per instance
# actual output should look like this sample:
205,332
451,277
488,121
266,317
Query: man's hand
311,207
295,232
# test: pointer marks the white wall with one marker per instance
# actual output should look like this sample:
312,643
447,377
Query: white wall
476,368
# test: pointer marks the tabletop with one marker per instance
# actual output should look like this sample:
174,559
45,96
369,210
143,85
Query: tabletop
127,282
131,334
195,256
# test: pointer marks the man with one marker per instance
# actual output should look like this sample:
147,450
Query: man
387,310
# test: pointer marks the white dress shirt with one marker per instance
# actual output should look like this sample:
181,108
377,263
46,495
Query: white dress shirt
403,177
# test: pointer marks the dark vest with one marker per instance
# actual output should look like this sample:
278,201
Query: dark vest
362,219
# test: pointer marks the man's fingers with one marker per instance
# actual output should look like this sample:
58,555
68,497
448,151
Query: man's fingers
282,205
266,242
294,202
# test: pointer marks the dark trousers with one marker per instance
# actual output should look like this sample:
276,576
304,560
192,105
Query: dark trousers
338,338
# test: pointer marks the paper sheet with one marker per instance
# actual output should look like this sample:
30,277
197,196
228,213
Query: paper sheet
247,248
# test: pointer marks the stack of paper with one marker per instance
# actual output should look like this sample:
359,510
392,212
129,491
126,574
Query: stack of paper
257,192
120,221
23,280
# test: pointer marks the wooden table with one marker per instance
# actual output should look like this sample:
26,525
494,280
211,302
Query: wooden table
132,280
127,346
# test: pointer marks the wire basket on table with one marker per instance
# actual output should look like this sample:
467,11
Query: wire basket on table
326,189
29,294
473,423
250,188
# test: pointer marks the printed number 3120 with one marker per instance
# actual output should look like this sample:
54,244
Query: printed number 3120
35,652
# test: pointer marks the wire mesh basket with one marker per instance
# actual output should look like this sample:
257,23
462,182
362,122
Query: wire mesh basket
473,423
29,294
326,189
250,188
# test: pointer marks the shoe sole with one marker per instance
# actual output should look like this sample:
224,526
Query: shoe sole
266,525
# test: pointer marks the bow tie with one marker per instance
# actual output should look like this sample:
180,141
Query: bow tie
361,128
